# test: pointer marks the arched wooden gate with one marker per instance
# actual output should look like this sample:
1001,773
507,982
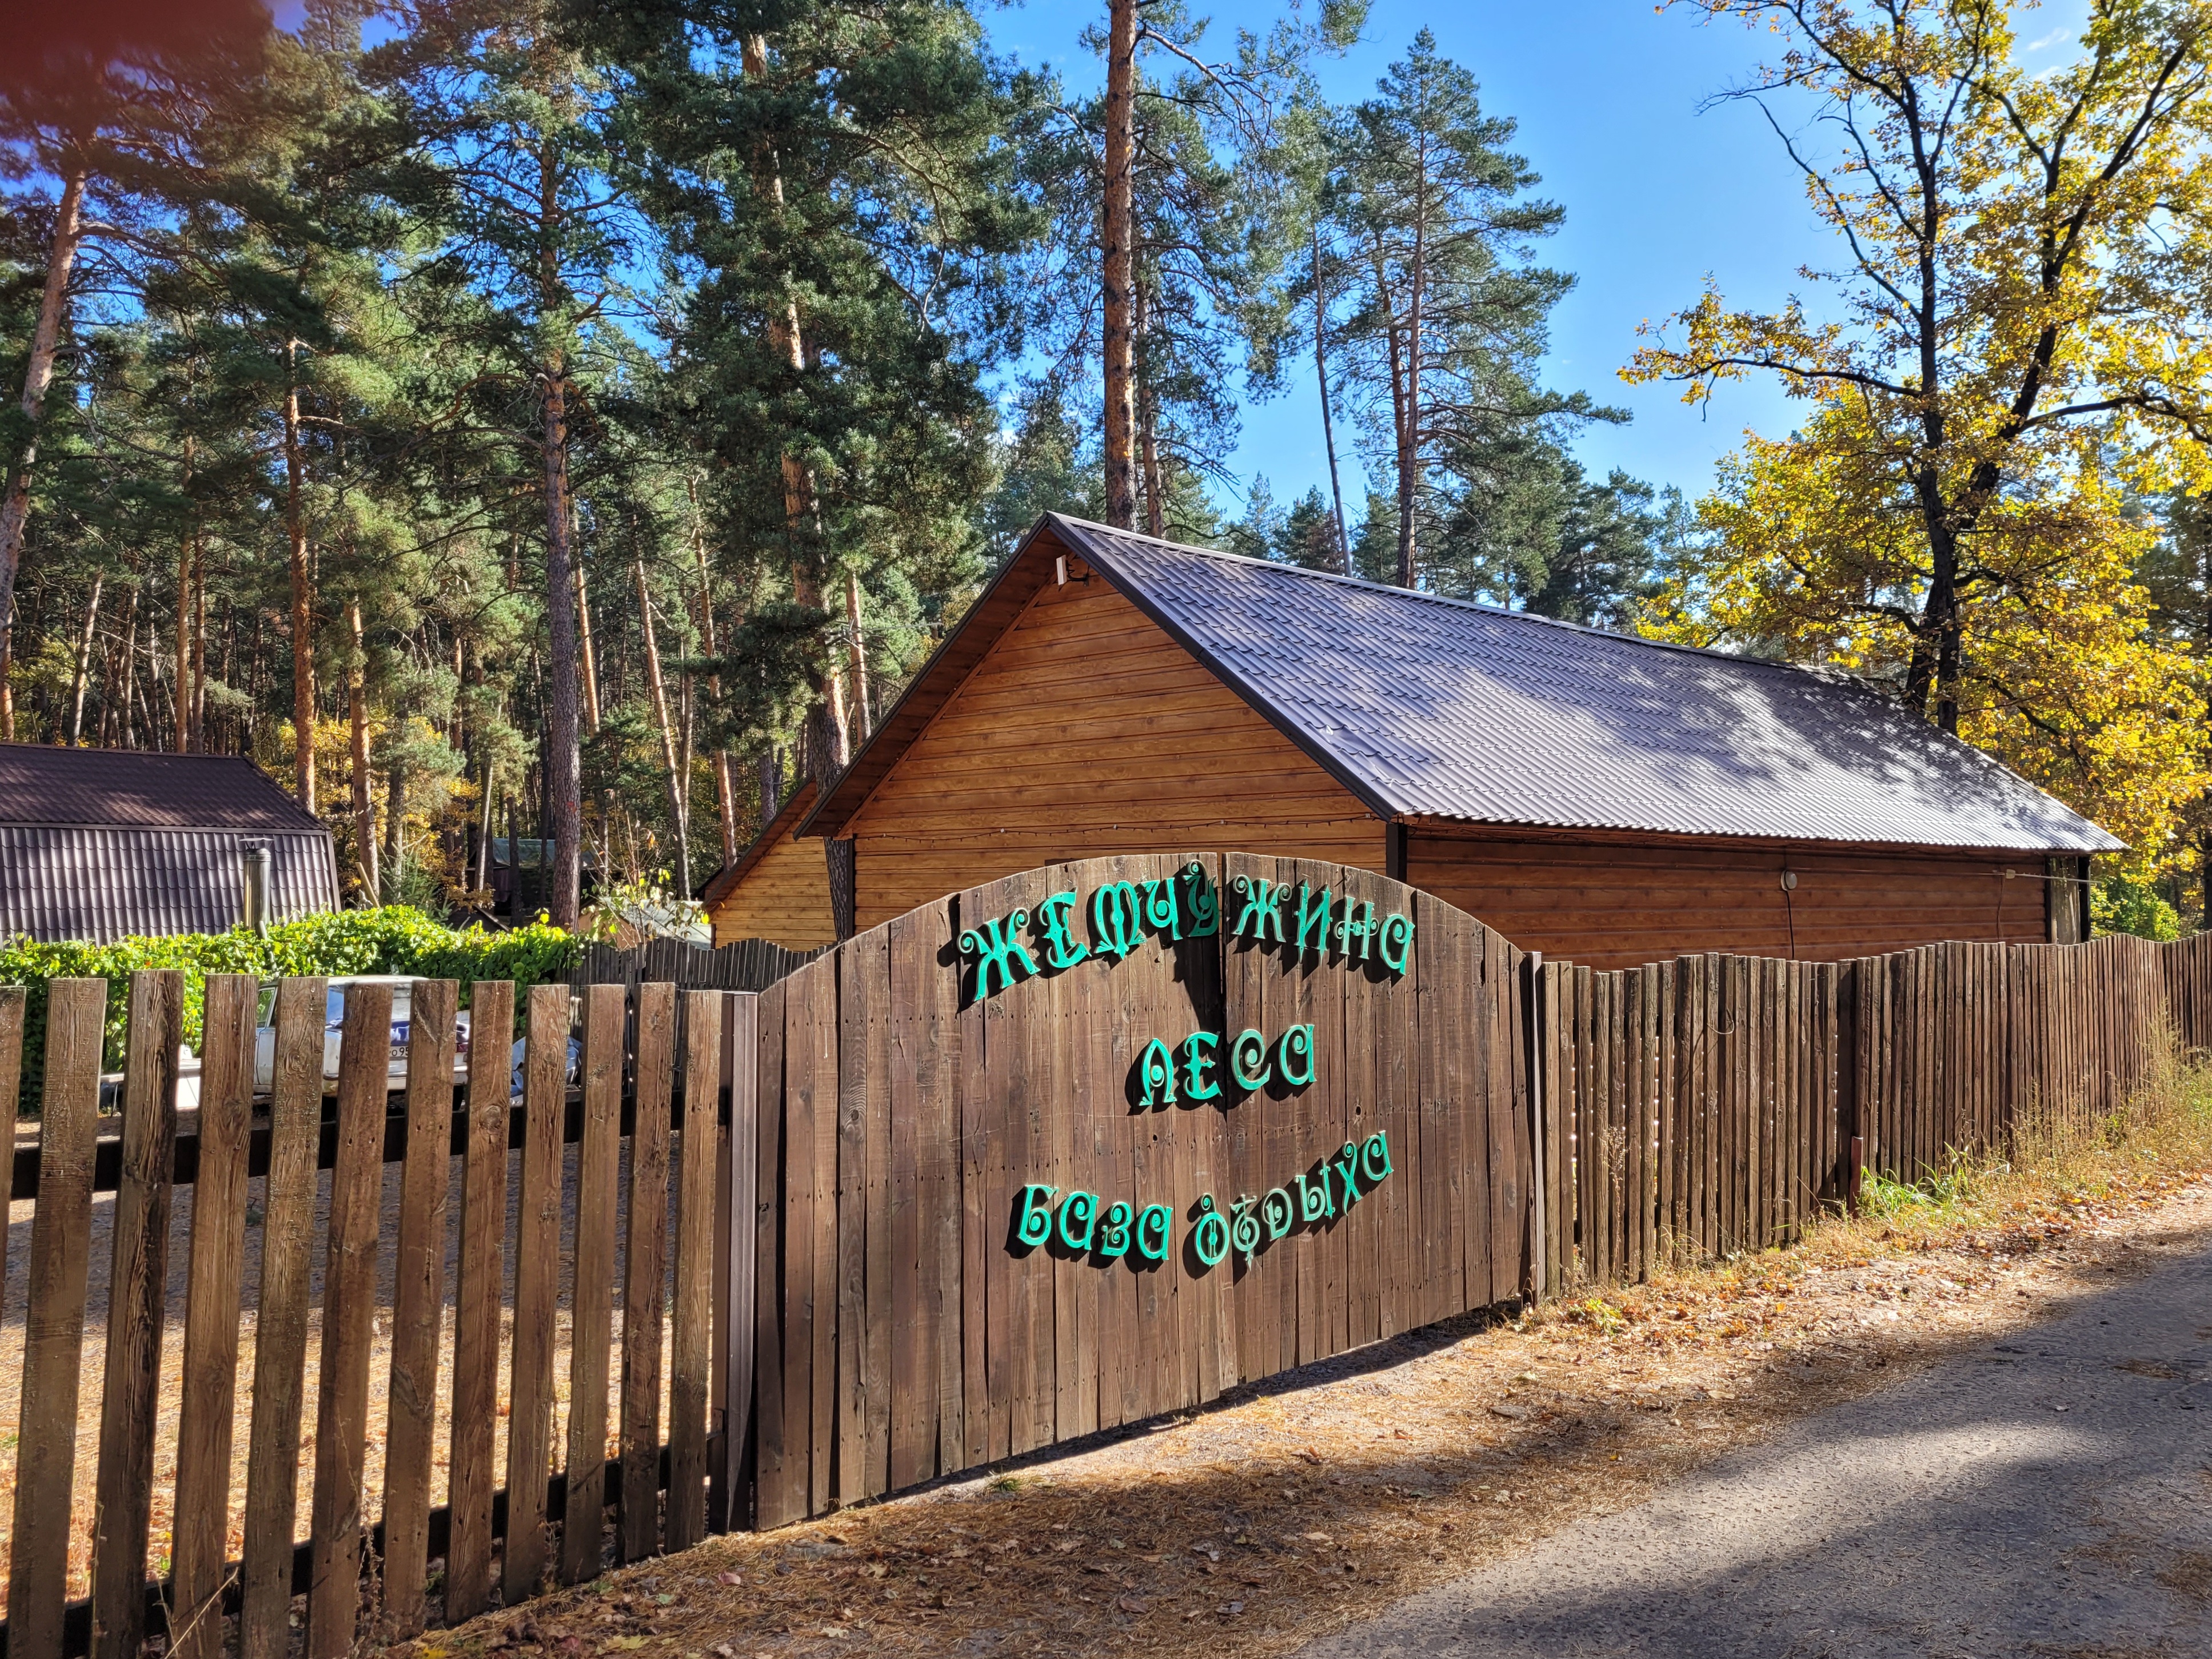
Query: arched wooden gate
1103,1140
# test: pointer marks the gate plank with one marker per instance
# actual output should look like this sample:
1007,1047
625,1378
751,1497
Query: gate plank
863,1226
349,1309
740,1218
136,1293
810,1357
645,1260
779,1484
476,1298
53,1318
691,1315
924,1147
418,1302
537,1269
280,1328
592,1298
208,1398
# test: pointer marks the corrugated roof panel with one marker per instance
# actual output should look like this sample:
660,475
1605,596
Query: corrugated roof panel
42,784
1437,707
58,883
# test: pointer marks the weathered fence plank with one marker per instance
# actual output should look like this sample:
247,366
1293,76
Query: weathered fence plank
536,1270
209,1403
53,1319
418,1302
591,1337
476,1302
280,1341
644,1265
691,1311
349,1310
137,1289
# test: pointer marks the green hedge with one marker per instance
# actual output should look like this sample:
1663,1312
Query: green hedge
392,940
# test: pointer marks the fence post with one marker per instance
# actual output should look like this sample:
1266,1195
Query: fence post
1848,1140
1532,1040
729,1464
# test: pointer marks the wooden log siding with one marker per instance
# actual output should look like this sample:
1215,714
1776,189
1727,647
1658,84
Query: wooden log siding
1621,900
454,1146
1085,724
868,1326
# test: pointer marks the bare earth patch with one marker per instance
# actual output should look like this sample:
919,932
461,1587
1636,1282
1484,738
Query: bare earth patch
1295,1507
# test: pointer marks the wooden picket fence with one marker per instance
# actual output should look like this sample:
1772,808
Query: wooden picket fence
788,1212
745,964
629,1214
1714,1103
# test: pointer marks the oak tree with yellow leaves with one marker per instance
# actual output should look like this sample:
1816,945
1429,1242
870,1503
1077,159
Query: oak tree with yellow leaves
2016,332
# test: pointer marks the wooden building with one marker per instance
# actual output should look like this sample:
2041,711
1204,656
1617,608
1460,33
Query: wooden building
1600,797
779,887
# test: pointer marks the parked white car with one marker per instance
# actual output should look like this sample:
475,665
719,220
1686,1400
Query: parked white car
264,1036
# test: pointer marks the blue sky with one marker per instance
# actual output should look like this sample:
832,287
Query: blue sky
1657,194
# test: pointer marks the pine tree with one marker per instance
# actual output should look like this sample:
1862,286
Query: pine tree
1447,311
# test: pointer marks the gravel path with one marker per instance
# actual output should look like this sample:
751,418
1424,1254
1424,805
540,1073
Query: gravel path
2050,1493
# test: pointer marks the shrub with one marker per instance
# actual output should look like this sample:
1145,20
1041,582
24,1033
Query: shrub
394,939
2121,904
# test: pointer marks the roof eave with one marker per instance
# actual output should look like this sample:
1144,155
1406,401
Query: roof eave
1625,834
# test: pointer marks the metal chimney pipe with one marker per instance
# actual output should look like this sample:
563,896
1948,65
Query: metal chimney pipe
255,871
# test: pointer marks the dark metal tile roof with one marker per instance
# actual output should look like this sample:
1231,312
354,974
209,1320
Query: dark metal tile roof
40,783
63,882
1427,706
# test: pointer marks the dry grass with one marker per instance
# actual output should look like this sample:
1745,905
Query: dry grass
1291,1508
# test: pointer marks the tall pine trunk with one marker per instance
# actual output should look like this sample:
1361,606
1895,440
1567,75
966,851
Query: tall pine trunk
303,625
127,730
588,651
724,792
857,654
1327,426
395,798
199,640
828,745
181,704
564,758
1409,440
672,761
1117,264
84,661
38,376
1148,421
364,812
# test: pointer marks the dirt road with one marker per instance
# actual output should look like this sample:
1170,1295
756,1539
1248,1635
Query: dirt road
2049,1493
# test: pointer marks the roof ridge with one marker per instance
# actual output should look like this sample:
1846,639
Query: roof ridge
1823,670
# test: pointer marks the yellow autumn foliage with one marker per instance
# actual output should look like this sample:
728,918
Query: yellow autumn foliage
2015,334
